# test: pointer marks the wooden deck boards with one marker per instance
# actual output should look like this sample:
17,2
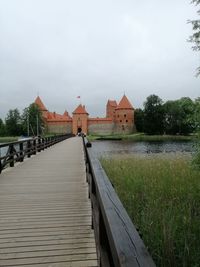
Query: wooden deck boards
45,213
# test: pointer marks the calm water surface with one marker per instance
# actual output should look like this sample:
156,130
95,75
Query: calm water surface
109,148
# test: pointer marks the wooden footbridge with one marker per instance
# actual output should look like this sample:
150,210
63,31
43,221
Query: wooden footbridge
59,209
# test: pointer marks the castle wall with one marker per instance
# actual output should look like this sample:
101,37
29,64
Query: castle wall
124,129
100,126
59,127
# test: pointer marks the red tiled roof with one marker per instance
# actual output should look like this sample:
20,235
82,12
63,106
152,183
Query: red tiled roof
40,104
53,116
80,110
112,103
124,103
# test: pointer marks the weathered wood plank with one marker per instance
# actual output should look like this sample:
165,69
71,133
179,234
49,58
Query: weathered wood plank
49,259
47,247
85,263
45,242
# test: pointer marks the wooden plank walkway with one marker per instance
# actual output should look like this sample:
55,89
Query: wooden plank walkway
45,213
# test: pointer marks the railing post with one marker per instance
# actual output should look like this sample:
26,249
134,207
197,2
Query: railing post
39,144
0,166
21,152
11,158
28,148
43,144
49,143
34,146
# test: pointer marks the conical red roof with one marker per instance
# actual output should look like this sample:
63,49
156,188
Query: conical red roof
124,103
80,110
40,104
112,103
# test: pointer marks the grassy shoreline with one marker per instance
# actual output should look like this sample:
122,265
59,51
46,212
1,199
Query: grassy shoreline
142,137
162,197
7,139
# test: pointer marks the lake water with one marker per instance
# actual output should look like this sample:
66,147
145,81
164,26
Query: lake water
109,148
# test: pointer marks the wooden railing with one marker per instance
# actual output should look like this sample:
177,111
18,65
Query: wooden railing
118,242
17,151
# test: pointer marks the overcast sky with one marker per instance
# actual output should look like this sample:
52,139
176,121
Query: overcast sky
96,49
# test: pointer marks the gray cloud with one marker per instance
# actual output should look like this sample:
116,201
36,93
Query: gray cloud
96,49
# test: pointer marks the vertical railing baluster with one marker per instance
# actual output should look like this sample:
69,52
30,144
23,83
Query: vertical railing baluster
11,158
34,146
39,144
0,162
21,146
43,143
29,148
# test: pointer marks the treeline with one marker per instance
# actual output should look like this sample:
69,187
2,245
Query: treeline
180,116
16,124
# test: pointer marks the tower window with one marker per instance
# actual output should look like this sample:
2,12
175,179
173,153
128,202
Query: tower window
120,120
126,120
124,115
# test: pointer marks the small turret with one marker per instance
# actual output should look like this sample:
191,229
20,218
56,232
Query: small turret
110,109
124,116
42,107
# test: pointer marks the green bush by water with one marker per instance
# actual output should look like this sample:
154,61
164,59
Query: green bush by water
162,196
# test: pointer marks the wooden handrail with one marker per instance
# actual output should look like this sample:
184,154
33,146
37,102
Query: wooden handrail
118,242
18,150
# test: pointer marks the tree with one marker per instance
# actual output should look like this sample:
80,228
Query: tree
13,123
195,37
32,120
153,115
179,116
139,119
172,117
188,110
2,128
197,114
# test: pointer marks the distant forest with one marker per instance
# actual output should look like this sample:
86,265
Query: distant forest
174,117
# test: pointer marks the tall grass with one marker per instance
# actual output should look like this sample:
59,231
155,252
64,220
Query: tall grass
162,196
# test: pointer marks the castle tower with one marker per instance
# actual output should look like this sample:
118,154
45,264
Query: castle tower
110,109
80,120
124,116
42,107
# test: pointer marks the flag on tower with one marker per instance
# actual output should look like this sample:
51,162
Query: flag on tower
78,96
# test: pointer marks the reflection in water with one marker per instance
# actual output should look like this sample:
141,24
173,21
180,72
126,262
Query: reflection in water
106,148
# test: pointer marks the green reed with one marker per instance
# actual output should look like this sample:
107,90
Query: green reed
162,197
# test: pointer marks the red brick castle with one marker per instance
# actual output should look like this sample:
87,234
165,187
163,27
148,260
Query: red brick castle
119,119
